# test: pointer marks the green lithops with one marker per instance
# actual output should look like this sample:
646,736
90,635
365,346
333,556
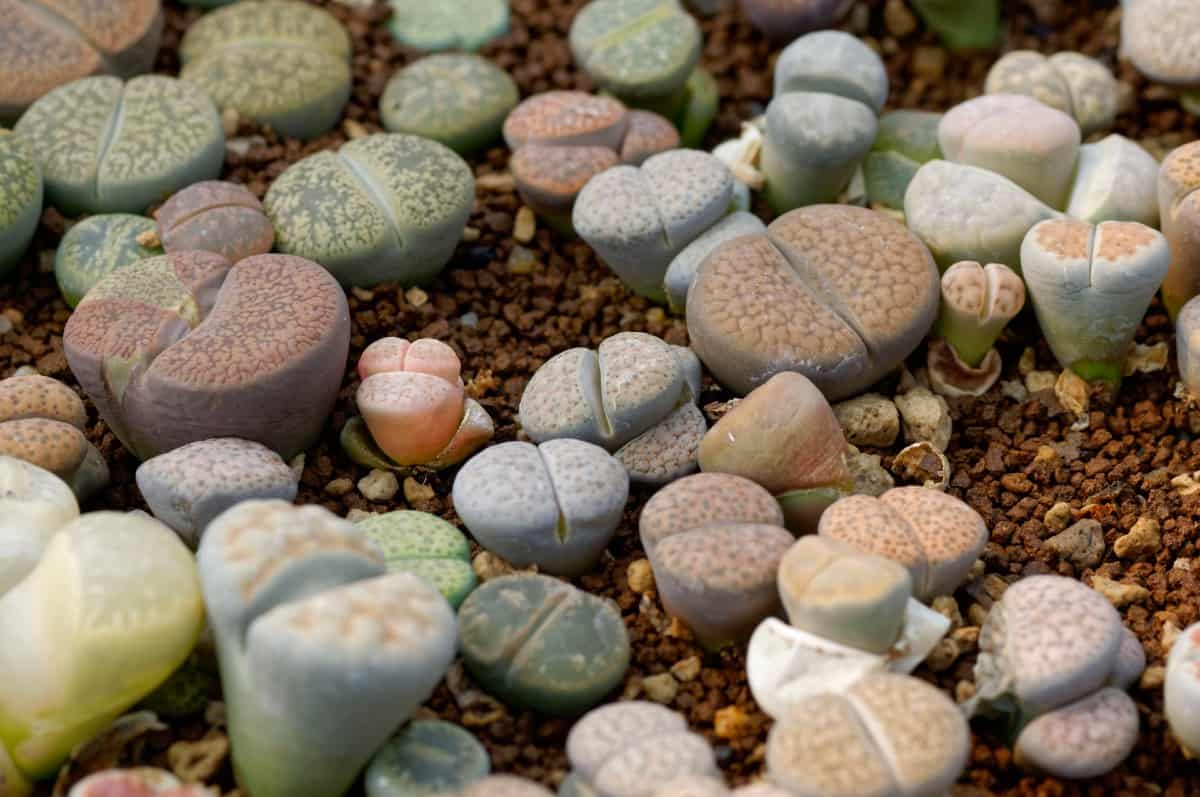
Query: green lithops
458,99
385,207
284,64
20,200
108,146
448,24
427,758
905,141
98,246
421,543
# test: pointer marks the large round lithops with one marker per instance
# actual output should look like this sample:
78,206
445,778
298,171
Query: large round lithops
539,643
284,64
449,24
216,217
98,246
385,207
421,543
1075,84
833,62
840,294
187,346
20,200
107,146
784,20
427,758
1179,209
887,736
1085,739
46,43
1162,38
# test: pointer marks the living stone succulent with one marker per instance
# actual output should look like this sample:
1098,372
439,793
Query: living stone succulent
693,786
427,758
216,217
1181,690
886,736
135,782
784,20
188,347
1090,286
714,541
125,599
556,505
107,146
448,24
906,140
962,24
1187,344
1160,38
421,543
1179,209
34,505
99,245
46,44
1071,82
634,395
283,64
539,643
681,272
839,293
505,786
385,207
933,534
457,99
1115,180
323,653
187,487
20,200
833,62
1084,739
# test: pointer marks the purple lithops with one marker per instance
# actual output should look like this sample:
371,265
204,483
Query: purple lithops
216,217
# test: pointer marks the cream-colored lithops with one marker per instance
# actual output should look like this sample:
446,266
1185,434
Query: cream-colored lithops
1071,82
216,217
1187,344
1085,739
506,786
20,200
1161,38
693,786
34,505
1179,211
1181,693
977,302
935,535
1116,180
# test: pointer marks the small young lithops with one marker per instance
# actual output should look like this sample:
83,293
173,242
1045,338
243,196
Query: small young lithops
714,541
833,62
284,64
1090,286
681,273
323,653
906,140
421,543
505,786
135,782
99,245
977,301
886,736
1181,689
45,44
216,217
839,293
935,535
1016,136
20,200
188,347
1162,39
458,99
387,207
539,643
1116,180
1179,210
448,24
1071,82
634,395
1084,739
189,486
34,505
784,20
962,24
556,505
428,757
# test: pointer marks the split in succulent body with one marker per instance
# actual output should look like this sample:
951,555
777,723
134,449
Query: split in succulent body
977,301
452,25
417,542
1071,82
99,245
215,216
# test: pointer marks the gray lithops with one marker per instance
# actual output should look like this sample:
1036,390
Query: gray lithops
427,758
448,25
1179,210
887,736
98,246
284,64
1085,739
556,505
1075,84
20,201
682,270
1116,180
189,486
106,146
215,216
906,140
639,218
833,62
421,543
539,643
1181,690
385,207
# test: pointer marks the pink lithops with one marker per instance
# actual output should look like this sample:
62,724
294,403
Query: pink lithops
887,736
139,782
425,356
216,217
1179,211
935,535
1084,739
1181,694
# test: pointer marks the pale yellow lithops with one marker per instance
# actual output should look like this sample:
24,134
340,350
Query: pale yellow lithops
34,505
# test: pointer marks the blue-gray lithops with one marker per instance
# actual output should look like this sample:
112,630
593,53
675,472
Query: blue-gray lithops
681,273
107,146
421,543
215,216
427,758
556,505
833,62
98,246
1116,180
1073,83
20,200
448,24
385,207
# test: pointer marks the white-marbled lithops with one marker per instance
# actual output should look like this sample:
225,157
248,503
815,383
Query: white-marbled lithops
385,207
1162,38
189,486
1071,82
1179,211
634,395
99,245
1116,180
887,736
1084,739
421,543
833,62
681,272
215,216
34,505
448,24
1181,689
428,757
20,200
935,535
555,505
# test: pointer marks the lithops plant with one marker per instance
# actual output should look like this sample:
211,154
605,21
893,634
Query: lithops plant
188,347
714,541
906,140
297,596
385,207
449,25
1116,180
187,487
135,782
962,24
34,505
505,786
20,200
784,20
556,505
1179,209
126,601
634,395
1181,690
458,99
539,643
839,293
42,422
428,757
421,543
1090,286
1160,38
977,301
681,272
833,62
1187,344
1075,84
887,736
99,245
216,217
284,64
933,534
46,44
1085,739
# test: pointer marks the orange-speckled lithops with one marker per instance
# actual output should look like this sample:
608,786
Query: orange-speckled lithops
977,301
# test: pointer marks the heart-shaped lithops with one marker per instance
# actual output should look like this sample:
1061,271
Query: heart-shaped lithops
107,146
284,64
555,505
20,200
424,356
1070,82
126,603
216,217
681,273
833,62
421,543
1090,286
539,643
449,25
136,782
1181,691
1160,37
639,219
427,757
1084,739
841,294
45,44
977,301
1116,180
189,486
34,505
385,207
906,140
99,245
888,735
1179,210
784,20
296,597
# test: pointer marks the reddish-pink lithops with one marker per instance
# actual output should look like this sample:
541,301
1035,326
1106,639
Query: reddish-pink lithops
217,217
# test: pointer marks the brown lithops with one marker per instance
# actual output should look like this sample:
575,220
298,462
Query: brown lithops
1179,211
217,217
